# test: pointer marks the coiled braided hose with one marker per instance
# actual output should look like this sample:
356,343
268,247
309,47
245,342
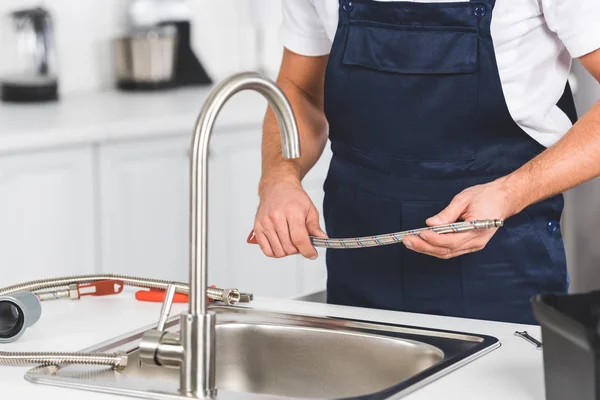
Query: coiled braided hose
115,360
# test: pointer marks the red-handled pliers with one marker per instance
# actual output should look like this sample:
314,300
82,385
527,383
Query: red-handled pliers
158,296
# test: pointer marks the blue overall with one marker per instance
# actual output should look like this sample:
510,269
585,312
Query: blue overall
417,114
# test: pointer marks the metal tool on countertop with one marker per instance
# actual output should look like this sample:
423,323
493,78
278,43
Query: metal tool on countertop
397,237
529,338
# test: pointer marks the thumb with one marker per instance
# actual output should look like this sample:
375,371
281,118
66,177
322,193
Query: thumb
450,214
312,224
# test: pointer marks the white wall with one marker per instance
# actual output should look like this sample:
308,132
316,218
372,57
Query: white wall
223,36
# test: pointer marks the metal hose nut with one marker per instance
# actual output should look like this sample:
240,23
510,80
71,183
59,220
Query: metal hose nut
227,296
488,223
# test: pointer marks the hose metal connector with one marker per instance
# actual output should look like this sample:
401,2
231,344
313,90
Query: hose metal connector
488,223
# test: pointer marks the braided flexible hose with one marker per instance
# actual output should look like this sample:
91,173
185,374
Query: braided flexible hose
147,283
398,237
228,296
115,360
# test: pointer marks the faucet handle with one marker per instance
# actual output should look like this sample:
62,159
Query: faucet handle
166,308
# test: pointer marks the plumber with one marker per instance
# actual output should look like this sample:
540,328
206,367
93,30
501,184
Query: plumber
436,112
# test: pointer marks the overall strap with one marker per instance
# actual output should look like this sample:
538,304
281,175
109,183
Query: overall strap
344,9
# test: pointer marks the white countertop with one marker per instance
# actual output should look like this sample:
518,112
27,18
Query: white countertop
514,371
107,116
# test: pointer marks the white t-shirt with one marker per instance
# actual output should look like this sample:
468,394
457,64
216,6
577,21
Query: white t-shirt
534,40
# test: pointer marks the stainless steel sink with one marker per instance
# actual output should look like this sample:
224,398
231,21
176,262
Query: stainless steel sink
262,354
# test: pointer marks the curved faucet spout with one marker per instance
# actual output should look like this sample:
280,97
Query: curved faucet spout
194,350
198,326
290,145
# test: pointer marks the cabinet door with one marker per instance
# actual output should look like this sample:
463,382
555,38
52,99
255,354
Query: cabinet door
236,171
47,215
144,208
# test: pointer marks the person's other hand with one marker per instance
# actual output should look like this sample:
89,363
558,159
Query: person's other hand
488,201
285,218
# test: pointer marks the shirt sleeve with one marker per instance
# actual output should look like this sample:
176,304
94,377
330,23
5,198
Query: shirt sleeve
302,30
576,22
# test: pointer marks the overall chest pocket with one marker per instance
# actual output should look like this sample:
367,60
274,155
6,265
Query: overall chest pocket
415,90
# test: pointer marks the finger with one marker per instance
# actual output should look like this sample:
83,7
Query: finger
451,213
439,252
313,225
457,242
479,242
417,244
273,238
299,233
452,241
283,232
264,244
474,245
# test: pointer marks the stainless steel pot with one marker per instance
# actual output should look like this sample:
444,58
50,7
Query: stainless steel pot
146,59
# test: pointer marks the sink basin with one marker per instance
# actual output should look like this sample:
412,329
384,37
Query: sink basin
308,362
263,354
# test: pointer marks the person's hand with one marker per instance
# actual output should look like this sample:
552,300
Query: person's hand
488,201
285,218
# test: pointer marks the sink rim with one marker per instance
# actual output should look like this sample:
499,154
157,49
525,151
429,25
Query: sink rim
481,345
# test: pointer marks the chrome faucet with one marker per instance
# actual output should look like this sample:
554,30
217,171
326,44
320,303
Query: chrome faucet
193,350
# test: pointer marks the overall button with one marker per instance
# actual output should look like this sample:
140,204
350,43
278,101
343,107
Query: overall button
553,226
479,11
348,6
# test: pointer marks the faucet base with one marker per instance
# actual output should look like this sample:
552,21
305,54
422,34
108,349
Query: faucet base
193,351
198,371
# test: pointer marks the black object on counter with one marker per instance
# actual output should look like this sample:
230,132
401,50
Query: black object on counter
24,92
571,336
132,85
188,70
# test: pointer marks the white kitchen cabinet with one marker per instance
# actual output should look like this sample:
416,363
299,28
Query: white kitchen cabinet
144,209
143,190
46,215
